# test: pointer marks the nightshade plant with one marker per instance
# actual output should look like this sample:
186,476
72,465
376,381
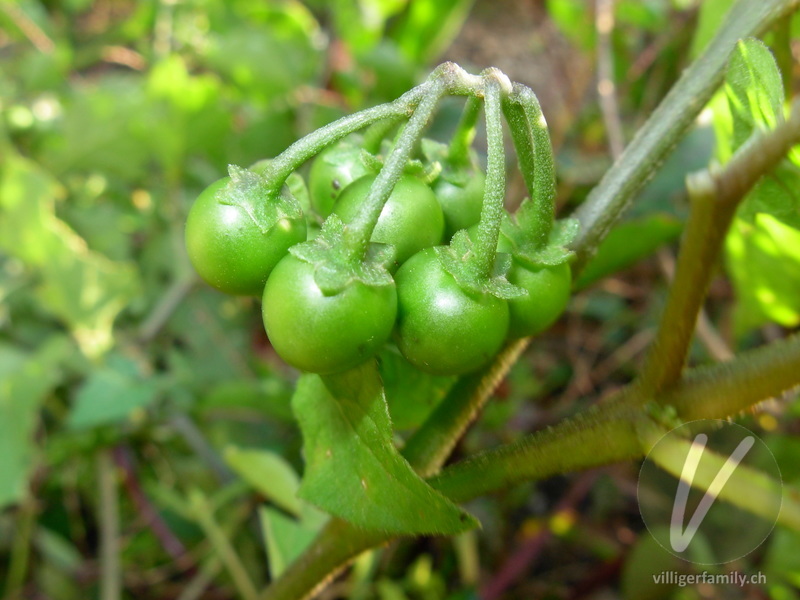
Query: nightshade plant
466,305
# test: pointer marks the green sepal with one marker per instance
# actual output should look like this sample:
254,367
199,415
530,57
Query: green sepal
295,183
251,192
457,260
526,250
334,267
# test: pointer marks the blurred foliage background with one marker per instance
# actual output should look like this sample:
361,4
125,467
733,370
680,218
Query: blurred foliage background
142,412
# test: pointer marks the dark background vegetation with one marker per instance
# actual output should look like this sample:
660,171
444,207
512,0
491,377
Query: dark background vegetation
125,383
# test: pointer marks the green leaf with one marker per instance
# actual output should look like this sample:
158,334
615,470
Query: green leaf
21,395
428,28
754,90
268,473
83,289
755,98
360,23
777,194
111,395
763,259
268,61
628,243
353,470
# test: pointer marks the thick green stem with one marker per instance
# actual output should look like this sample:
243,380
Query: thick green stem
495,192
607,432
381,189
604,434
715,197
431,444
697,261
541,181
728,388
668,123
461,142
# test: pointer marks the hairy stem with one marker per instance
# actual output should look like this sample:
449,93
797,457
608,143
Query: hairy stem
543,193
604,434
523,143
381,189
667,124
458,152
303,149
608,432
495,192
728,388
715,197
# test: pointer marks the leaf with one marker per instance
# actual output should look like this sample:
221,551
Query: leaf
21,394
353,470
755,98
361,23
754,90
110,395
268,473
268,60
763,259
83,289
428,28
628,243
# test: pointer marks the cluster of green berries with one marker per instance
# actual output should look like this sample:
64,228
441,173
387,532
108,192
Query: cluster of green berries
239,247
